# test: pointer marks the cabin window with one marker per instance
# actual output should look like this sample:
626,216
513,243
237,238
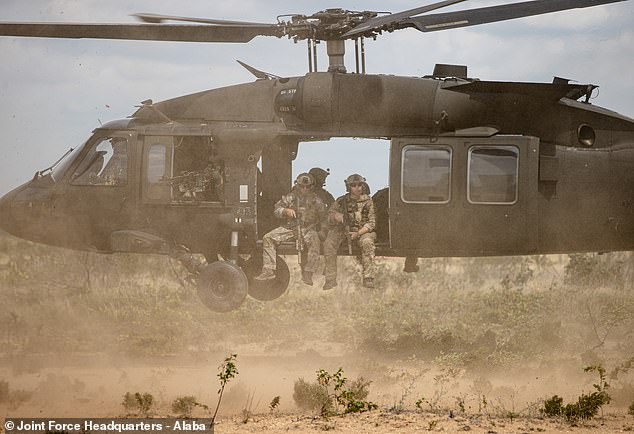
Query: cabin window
105,164
493,174
156,164
426,174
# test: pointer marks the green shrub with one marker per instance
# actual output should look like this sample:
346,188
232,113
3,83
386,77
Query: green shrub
587,405
184,405
129,403
274,404
309,396
145,402
553,407
140,402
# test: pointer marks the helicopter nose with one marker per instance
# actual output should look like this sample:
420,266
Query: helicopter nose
6,217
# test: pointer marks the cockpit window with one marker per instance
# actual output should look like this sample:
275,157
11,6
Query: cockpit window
59,170
106,163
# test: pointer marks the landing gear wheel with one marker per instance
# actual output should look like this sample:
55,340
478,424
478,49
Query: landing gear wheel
266,290
222,286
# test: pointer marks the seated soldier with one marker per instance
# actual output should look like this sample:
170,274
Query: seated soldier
300,208
352,216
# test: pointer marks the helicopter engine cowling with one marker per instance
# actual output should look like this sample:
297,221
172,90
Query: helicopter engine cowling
375,105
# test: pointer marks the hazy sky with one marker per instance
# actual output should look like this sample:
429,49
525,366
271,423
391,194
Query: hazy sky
54,92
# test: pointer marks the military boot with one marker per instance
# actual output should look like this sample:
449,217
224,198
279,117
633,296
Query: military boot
307,277
411,265
329,284
266,274
368,282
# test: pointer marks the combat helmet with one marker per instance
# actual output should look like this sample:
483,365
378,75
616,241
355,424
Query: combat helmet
305,179
353,179
319,175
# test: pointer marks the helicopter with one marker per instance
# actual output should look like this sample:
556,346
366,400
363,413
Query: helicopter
477,168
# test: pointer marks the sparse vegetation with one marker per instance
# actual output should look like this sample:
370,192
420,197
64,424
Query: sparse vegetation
140,403
309,396
184,405
587,405
145,402
350,399
332,394
274,404
479,317
226,372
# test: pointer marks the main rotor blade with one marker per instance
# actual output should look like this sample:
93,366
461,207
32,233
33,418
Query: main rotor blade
386,20
142,32
157,18
473,17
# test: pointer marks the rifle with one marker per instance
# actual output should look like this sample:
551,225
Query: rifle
346,223
299,240
188,184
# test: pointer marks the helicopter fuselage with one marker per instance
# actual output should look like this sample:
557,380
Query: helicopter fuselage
476,168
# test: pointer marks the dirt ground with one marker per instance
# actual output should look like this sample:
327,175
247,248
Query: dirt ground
463,346
412,422
93,386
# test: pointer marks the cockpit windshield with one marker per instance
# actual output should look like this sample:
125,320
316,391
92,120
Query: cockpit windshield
105,163
60,168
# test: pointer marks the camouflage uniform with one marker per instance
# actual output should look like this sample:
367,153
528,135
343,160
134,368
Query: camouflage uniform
214,175
320,175
311,211
360,213
324,195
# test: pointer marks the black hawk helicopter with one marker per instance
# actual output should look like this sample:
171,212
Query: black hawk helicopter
477,168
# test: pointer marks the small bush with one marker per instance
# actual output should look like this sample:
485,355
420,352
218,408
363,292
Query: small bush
129,403
341,396
145,402
309,396
553,407
184,405
141,402
587,405
274,404
630,410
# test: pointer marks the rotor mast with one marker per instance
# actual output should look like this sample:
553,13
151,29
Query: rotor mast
336,50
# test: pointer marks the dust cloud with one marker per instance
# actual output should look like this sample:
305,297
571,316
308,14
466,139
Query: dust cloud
462,338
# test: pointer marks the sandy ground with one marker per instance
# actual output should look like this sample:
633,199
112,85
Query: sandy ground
412,422
76,388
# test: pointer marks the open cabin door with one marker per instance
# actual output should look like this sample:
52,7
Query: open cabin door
457,196
193,191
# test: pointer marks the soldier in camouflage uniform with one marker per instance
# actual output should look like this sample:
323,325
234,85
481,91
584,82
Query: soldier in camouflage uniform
360,221
301,205
320,175
214,176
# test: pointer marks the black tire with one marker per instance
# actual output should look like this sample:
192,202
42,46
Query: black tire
266,290
222,286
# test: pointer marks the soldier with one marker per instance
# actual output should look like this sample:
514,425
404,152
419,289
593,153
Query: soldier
351,217
320,175
214,177
302,209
